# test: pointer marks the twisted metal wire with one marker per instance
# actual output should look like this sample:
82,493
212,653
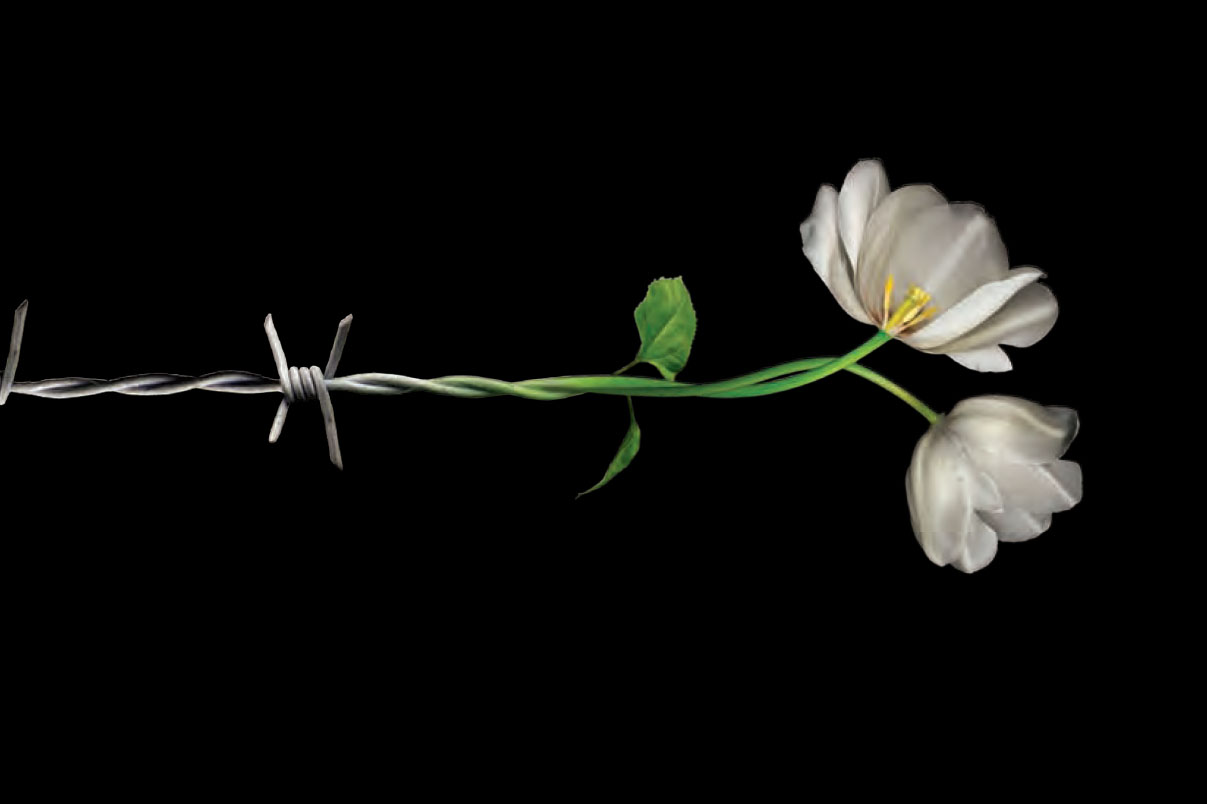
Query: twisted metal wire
231,382
293,383
246,382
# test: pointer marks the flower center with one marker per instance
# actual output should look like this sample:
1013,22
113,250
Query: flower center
913,309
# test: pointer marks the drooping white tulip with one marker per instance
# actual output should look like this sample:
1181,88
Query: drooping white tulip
990,471
933,274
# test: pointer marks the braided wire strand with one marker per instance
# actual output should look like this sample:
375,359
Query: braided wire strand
230,382
293,384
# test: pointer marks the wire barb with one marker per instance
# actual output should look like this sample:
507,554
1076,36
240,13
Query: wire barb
298,384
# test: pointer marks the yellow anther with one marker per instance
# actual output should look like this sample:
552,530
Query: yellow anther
913,309
914,318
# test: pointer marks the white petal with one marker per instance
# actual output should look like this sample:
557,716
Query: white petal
990,358
943,488
1016,429
1067,476
1017,524
1037,487
823,246
890,218
949,251
951,324
1024,321
979,548
865,187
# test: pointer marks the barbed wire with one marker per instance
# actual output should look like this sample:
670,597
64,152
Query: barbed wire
293,383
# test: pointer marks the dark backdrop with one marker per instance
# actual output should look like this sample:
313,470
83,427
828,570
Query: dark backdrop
504,219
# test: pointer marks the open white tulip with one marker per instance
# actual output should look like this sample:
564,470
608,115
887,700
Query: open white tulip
860,239
989,471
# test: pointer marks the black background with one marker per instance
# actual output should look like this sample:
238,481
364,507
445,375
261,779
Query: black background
502,216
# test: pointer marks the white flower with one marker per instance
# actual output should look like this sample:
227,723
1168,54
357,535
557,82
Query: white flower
861,239
988,472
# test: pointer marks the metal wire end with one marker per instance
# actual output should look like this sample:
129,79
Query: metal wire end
14,350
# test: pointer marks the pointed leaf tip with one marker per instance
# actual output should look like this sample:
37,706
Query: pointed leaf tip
624,455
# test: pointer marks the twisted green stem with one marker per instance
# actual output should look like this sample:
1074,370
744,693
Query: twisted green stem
636,386
772,380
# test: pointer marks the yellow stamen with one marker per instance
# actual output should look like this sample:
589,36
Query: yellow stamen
914,309
927,313
910,316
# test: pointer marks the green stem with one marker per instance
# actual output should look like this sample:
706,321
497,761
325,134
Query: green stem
896,390
626,368
636,386
806,371
856,369
772,380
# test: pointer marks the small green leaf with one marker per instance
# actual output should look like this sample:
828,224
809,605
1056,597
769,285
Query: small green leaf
666,322
624,455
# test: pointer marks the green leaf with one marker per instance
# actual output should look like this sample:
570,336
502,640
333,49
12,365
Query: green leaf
624,456
666,322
